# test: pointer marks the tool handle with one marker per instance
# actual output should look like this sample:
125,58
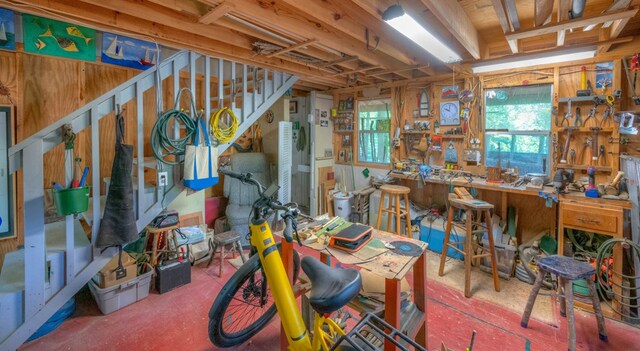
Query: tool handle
85,173
57,186
616,180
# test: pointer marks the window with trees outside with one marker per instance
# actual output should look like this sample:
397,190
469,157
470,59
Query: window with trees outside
374,135
517,127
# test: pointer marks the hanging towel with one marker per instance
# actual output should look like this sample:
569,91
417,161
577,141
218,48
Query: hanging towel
118,225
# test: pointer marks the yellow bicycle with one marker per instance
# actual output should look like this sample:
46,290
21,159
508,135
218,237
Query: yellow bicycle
249,300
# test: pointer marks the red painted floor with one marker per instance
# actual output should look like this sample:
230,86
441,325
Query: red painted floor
178,320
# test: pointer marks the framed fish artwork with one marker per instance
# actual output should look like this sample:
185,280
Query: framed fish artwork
128,52
50,37
7,30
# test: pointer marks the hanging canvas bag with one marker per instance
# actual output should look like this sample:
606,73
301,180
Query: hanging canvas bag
200,161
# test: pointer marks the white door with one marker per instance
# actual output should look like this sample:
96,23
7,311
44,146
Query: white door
301,154
321,143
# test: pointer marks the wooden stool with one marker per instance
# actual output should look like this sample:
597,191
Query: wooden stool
394,191
160,242
221,241
480,208
567,269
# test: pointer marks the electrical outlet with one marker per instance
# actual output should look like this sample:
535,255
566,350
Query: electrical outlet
162,178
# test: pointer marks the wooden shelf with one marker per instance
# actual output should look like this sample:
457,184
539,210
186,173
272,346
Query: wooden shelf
452,136
342,131
586,130
589,98
584,167
415,132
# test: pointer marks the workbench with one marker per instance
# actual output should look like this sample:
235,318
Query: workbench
597,215
600,216
378,259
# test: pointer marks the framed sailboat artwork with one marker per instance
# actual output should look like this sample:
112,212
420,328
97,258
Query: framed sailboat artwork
128,52
7,30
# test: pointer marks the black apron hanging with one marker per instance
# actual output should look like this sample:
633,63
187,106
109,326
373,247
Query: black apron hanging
118,225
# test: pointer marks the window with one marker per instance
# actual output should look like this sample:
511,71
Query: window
374,124
517,126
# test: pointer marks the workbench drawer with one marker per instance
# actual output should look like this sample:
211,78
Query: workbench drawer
588,218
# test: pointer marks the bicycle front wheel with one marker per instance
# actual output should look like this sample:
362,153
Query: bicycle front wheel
244,305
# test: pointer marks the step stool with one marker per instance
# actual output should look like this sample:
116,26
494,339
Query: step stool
567,269
394,209
481,208
221,241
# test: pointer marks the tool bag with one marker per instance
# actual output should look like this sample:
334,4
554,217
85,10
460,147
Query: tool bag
200,161
351,238
118,224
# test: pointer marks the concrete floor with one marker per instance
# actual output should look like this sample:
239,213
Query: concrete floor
178,319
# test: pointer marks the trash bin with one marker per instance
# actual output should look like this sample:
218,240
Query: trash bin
342,204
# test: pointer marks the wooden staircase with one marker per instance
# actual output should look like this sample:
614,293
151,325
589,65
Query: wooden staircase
57,259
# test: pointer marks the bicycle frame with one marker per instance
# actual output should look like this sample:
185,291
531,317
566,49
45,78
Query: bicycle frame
262,239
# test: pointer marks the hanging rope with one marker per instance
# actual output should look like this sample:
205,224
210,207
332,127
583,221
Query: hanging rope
221,131
162,144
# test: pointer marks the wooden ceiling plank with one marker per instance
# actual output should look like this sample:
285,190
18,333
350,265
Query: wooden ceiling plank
570,24
615,5
501,13
114,21
340,61
279,18
341,16
564,6
543,10
611,33
217,13
361,69
512,13
458,23
293,47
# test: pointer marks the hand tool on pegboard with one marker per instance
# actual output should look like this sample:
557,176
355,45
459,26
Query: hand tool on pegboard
635,67
594,145
567,115
565,150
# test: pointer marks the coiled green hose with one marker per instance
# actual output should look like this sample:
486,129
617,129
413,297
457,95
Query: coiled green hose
162,144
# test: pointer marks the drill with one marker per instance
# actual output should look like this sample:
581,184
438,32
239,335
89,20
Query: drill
591,190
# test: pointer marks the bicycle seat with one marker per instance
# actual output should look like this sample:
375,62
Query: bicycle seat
331,288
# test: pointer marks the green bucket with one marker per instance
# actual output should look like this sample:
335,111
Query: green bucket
71,201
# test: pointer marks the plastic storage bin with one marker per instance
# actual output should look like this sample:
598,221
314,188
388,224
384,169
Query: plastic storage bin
433,234
506,256
122,295
71,201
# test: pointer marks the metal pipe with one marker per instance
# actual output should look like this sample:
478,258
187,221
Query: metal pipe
577,9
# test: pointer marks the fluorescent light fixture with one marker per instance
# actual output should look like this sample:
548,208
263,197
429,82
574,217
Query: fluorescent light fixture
534,60
405,24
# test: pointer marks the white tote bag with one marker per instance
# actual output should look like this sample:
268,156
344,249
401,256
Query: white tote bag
200,161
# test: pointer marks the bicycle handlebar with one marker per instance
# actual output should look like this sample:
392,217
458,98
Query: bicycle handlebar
290,210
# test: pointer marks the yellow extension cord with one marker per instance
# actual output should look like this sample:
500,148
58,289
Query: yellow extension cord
223,134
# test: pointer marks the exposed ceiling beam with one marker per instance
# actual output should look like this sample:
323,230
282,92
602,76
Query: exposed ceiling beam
114,21
458,23
501,13
564,6
217,13
570,24
293,47
512,13
343,16
361,69
543,9
616,5
277,17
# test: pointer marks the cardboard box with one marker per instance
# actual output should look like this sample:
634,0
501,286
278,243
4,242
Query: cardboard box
107,275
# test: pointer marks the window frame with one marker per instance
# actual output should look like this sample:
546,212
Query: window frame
358,161
534,132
